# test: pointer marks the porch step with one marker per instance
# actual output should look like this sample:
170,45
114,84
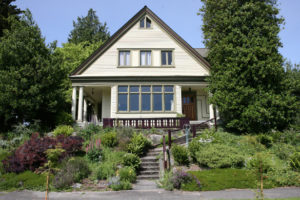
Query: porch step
149,159
150,165
149,172
145,168
147,177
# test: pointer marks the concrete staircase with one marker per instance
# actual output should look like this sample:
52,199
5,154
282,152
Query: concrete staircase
150,165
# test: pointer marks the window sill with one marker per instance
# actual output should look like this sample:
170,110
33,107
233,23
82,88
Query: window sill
162,66
147,112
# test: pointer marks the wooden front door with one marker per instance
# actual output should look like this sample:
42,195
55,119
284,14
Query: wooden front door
189,106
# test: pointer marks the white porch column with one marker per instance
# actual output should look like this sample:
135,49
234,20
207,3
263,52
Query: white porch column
74,103
178,99
211,109
80,102
84,110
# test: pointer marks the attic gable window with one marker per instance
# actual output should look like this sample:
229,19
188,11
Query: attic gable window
145,22
124,58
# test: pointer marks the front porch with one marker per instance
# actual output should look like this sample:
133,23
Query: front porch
93,103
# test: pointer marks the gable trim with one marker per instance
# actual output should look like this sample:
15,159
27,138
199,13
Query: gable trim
144,11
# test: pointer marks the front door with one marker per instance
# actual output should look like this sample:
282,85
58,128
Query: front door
189,105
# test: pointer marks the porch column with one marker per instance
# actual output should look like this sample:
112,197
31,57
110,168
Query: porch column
74,103
178,100
84,110
80,102
211,109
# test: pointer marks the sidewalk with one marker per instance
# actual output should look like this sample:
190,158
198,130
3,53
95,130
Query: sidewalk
152,195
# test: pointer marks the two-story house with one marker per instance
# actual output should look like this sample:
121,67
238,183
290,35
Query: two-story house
145,70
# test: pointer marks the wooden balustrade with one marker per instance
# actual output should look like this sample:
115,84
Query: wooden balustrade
146,123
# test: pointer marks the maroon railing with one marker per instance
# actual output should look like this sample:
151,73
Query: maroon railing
146,123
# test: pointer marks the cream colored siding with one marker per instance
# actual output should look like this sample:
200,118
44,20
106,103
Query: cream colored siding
155,38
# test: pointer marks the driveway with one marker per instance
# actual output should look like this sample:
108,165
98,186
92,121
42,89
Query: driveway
152,195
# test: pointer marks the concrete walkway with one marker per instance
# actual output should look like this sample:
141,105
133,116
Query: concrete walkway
152,195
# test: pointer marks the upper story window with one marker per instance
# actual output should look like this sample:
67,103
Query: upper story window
145,22
145,58
166,58
124,58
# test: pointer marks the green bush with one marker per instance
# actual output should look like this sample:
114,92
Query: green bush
295,161
167,139
64,118
138,144
131,160
166,181
194,147
63,130
109,139
106,170
282,150
219,156
94,154
265,140
88,131
116,184
180,154
25,180
127,174
72,171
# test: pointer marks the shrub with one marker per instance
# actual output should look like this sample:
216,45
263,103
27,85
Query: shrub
167,139
94,155
116,184
166,181
105,170
127,174
88,131
265,140
109,139
73,170
26,180
32,154
181,178
282,150
124,136
295,161
138,144
131,160
64,118
194,147
63,130
219,156
180,154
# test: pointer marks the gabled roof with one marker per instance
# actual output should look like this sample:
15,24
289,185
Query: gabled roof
202,51
144,11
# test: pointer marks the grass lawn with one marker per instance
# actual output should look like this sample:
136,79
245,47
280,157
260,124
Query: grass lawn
220,179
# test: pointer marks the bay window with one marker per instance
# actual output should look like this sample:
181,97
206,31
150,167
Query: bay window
145,98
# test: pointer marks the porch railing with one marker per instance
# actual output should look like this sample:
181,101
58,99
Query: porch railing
146,123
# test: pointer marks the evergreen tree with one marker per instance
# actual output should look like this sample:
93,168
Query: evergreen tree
88,29
7,10
30,76
247,76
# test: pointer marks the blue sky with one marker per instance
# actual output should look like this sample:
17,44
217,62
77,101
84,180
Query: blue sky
55,18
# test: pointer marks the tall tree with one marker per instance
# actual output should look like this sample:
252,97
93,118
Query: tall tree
247,76
88,29
7,10
30,76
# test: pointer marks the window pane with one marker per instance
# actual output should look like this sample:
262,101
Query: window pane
122,102
121,58
134,88
134,102
148,23
146,102
157,88
127,58
142,23
168,88
145,88
169,103
143,57
163,58
169,57
148,61
157,102
123,88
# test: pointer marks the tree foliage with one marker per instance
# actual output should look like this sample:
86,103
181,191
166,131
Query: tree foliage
88,29
247,76
30,76
7,10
